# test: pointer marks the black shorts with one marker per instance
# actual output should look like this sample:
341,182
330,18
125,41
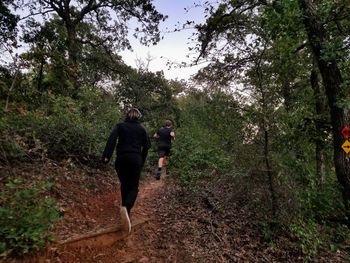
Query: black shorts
163,151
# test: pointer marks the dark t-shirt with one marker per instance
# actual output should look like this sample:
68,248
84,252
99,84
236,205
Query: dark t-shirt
164,139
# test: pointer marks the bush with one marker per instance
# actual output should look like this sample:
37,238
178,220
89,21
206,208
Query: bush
321,203
61,128
309,237
26,216
14,143
314,238
196,155
77,129
64,133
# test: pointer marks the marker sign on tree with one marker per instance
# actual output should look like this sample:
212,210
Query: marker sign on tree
346,134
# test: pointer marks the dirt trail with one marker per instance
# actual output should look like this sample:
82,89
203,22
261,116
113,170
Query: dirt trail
100,212
115,246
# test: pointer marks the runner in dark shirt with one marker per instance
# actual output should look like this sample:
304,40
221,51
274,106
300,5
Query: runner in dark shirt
164,135
132,148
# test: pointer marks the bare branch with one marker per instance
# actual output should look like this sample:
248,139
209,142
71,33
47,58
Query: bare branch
56,6
35,14
302,46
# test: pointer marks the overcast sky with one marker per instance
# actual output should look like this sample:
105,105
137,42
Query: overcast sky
174,46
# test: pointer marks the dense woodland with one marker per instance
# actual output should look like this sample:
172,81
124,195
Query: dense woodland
264,116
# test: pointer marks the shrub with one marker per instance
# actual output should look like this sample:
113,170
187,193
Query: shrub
13,141
61,128
26,216
309,238
196,154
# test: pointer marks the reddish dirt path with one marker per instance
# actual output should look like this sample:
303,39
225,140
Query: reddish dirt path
90,202
112,247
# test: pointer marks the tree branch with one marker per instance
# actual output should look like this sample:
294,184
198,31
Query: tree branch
302,46
211,28
57,8
35,14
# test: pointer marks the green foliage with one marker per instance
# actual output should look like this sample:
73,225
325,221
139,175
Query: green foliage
70,131
337,235
26,216
87,43
263,46
314,237
9,148
61,128
309,237
196,156
8,22
14,145
320,202
210,130
151,93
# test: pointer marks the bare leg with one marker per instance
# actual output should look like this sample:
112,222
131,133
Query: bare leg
161,162
159,170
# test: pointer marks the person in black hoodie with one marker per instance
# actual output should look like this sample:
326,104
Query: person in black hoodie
132,148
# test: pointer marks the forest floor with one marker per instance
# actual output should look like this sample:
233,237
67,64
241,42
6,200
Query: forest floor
171,223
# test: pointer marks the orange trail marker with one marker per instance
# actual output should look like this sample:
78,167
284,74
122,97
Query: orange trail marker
346,146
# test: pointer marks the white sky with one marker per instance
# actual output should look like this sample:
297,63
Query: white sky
174,46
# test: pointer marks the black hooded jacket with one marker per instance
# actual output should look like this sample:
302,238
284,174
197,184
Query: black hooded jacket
132,138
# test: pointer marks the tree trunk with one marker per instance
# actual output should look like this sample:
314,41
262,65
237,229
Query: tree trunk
10,89
73,51
266,139
40,77
333,81
319,140
269,174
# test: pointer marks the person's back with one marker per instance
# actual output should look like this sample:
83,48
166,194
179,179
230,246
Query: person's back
164,136
164,139
132,137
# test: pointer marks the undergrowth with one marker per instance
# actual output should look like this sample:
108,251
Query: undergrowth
26,216
61,128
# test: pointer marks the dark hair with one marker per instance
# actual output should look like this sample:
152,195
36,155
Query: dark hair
133,114
168,123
